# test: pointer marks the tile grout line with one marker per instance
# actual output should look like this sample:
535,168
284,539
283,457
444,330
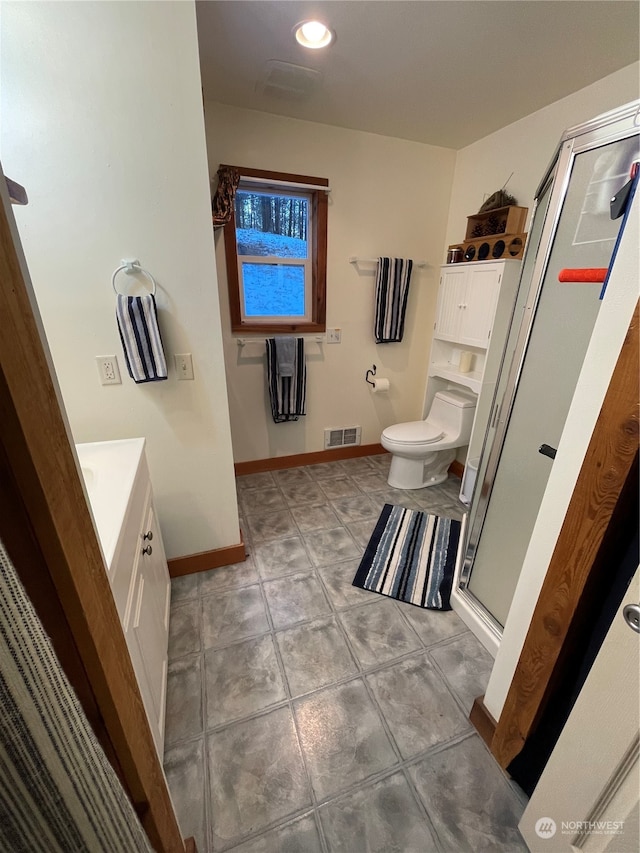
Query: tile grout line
366,782
332,616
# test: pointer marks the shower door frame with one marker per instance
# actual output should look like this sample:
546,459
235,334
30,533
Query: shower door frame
558,174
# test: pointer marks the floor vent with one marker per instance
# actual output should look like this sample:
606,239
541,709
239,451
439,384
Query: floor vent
345,437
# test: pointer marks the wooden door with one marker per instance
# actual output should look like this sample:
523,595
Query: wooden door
587,797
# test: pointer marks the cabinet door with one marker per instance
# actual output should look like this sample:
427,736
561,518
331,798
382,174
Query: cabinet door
147,620
450,301
156,570
150,638
479,302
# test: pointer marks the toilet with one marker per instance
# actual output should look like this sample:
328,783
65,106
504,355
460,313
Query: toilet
423,450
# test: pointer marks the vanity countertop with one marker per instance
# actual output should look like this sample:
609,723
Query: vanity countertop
109,471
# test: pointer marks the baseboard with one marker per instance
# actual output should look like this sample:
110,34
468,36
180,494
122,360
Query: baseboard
456,468
205,560
256,466
482,721
317,457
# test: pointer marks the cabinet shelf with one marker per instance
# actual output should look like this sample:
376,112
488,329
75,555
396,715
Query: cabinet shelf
500,220
471,380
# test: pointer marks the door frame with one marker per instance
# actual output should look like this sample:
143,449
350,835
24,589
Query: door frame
55,546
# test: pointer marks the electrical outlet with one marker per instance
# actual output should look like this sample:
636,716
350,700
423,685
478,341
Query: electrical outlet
184,365
108,370
334,336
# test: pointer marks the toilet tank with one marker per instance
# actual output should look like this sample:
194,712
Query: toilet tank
453,412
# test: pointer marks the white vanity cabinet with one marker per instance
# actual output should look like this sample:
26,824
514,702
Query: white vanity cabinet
119,488
146,617
475,303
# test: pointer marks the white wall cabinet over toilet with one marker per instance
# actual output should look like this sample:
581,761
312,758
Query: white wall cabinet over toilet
473,314
467,301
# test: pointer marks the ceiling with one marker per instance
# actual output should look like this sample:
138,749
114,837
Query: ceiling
444,72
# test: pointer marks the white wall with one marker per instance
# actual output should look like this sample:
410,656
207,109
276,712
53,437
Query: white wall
388,197
102,122
526,147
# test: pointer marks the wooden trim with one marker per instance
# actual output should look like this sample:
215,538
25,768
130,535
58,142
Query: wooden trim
318,238
316,457
205,560
482,720
608,462
246,172
456,469
231,263
37,446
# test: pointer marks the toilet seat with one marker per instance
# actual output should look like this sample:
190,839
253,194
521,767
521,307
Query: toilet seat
413,432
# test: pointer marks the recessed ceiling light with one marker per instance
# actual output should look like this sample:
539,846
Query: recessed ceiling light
313,34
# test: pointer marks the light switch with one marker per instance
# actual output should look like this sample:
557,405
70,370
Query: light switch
184,365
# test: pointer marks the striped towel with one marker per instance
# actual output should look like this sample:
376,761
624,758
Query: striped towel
392,291
288,394
138,325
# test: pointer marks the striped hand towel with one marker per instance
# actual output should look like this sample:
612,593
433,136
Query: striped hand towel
392,291
138,325
287,394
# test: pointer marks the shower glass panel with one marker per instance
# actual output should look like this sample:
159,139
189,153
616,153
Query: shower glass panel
561,329
526,275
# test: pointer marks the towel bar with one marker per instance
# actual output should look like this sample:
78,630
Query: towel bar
353,259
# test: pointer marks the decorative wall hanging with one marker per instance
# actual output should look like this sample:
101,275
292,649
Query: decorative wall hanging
225,194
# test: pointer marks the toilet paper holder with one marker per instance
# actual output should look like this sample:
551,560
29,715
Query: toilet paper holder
372,371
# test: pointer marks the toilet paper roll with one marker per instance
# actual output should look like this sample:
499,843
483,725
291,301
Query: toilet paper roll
381,385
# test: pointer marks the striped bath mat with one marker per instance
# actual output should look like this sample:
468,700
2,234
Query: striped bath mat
411,556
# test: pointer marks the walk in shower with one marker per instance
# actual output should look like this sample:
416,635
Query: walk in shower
550,331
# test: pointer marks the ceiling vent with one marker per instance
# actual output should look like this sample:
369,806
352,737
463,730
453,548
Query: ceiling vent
344,437
287,81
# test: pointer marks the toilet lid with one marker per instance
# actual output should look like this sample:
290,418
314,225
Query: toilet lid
413,432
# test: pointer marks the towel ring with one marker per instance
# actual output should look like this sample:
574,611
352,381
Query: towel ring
131,267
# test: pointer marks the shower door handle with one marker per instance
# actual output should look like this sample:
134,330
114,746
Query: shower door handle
547,450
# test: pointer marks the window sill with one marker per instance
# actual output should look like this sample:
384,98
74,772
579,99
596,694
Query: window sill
277,328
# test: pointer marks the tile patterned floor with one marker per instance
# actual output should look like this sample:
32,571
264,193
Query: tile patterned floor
305,715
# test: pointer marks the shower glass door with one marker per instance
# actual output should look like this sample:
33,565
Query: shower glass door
557,323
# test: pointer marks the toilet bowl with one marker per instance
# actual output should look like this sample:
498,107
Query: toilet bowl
423,450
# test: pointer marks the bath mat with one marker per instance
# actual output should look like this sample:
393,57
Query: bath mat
411,556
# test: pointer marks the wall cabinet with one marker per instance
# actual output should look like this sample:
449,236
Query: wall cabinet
467,302
475,304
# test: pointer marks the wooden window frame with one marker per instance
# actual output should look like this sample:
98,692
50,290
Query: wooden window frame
318,241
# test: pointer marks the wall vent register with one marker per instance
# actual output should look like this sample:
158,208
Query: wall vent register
343,437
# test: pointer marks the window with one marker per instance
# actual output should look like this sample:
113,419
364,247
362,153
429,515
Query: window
276,252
